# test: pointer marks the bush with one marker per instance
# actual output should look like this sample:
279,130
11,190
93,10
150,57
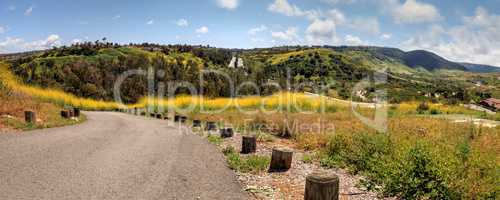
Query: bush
214,139
435,111
419,176
415,170
252,163
422,107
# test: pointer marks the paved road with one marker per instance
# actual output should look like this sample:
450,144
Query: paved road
113,156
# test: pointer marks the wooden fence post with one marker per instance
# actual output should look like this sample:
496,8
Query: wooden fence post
281,159
211,126
76,112
196,123
226,132
322,186
183,119
30,116
65,114
248,144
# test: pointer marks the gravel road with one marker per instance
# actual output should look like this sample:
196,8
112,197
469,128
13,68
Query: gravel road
113,156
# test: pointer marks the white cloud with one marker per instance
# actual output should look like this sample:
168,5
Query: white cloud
18,44
76,41
2,30
29,11
412,11
202,30
182,23
9,44
339,1
11,8
150,22
228,4
475,40
285,8
369,25
256,30
290,35
117,17
51,41
321,32
290,10
353,40
386,36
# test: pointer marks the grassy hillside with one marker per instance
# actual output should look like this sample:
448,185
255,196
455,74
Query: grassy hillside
15,100
91,71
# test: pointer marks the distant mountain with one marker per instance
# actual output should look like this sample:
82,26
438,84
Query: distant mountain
430,61
481,68
413,59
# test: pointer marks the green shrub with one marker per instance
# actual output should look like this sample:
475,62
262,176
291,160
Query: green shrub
435,111
417,175
252,163
422,108
214,139
307,158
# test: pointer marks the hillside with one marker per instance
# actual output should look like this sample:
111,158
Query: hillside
90,70
481,68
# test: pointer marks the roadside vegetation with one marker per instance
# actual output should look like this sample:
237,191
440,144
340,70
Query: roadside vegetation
14,103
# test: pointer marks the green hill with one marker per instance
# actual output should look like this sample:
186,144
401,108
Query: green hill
90,70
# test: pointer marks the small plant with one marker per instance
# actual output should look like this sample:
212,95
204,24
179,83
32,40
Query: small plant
214,139
252,163
435,111
307,158
422,108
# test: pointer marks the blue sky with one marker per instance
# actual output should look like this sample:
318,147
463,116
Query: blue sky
458,30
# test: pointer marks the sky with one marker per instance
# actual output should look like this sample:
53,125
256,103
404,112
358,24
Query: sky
464,31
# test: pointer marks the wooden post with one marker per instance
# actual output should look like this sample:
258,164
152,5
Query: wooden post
281,159
183,119
65,114
226,132
71,113
30,117
196,123
177,118
211,126
158,116
322,186
152,115
76,112
248,144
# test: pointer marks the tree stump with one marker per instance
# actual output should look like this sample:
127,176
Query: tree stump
153,115
183,119
248,144
211,126
281,159
71,113
30,117
226,132
158,116
196,123
322,186
65,114
177,118
76,112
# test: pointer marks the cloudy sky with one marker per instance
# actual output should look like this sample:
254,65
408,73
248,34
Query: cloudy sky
460,30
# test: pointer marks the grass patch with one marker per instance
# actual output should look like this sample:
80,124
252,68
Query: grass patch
215,139
247,164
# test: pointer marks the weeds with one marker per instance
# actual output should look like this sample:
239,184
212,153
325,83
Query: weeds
248,164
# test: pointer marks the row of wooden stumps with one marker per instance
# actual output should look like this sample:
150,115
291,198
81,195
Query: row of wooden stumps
70,113
319,185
